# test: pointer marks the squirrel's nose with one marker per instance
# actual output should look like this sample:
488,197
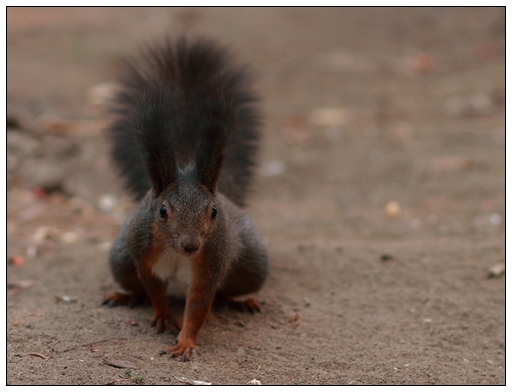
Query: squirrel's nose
190,243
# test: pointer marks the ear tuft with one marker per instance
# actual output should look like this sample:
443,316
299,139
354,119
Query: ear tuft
154,119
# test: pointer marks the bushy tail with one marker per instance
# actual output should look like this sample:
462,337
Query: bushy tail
200,82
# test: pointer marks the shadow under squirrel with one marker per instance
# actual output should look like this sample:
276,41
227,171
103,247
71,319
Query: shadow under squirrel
185,136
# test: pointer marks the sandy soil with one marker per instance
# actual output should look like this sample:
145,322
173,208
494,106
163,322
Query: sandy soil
381,196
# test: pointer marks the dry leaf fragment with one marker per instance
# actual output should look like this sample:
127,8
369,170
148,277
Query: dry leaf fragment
22,284
240,323
194,382
295,318
295,321
14,287
451,163
38,355
17,261
57,125
40,234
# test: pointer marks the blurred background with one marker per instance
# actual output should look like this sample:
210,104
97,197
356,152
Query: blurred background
374,100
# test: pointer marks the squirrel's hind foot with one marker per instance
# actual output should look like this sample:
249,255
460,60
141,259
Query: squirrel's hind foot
251,304
126,299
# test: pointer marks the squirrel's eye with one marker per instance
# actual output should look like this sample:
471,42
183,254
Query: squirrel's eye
163,212
214,212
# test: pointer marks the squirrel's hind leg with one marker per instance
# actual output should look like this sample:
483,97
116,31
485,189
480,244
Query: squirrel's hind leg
247,275
124,272
134,295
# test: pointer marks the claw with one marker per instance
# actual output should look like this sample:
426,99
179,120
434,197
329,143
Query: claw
110,302
184,351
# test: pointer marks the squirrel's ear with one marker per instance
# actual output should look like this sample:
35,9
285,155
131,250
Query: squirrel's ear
162,171
153,121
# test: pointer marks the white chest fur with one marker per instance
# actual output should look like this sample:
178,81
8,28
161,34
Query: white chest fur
175,270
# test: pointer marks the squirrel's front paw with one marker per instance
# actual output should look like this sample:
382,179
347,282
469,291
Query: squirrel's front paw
185,349
165,320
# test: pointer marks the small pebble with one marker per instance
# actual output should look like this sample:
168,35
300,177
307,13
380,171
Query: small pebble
329,117
273,169
422,63
386,257
497,270
32,251
101,94
495,219
107,202
393,209
65,299
69,237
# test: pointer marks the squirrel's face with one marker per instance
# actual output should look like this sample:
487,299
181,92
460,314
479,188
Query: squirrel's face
185,214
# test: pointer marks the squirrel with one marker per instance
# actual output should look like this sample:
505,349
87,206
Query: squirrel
184,136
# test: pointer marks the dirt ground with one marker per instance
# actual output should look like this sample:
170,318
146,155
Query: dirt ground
380,194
